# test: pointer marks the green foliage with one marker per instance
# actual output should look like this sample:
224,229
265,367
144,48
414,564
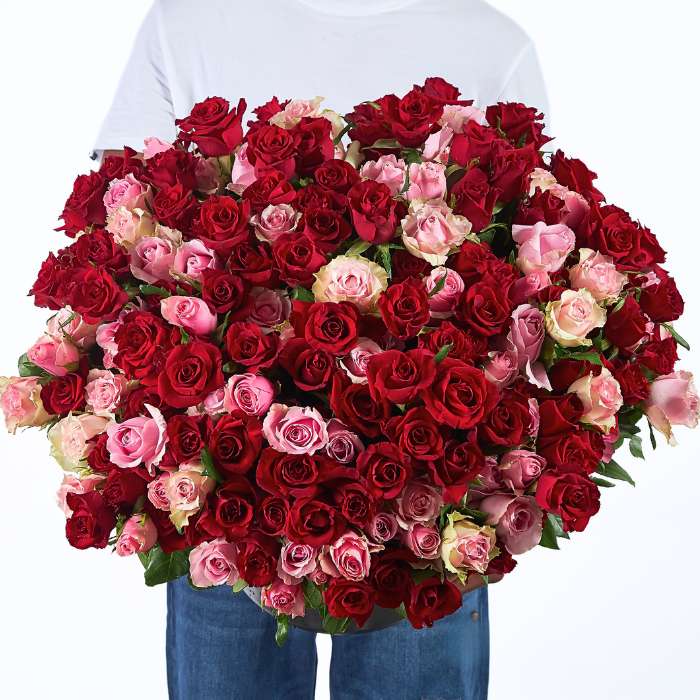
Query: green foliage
612,470
210,469
25,368
552,530
439,286
383,257
239,586
161,567
335,625
151,290
303,294
282,631
443,353
676,336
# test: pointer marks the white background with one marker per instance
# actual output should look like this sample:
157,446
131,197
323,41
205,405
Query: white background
614,615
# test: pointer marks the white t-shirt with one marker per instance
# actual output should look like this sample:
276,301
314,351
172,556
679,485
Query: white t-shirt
347,51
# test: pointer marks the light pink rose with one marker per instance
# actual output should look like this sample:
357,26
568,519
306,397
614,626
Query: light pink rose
127,192
20,402
570,319
271,307
152,258
542,247
518,521
384,527
187,490
213,404
68,324
520,468
139,440
423,540
251,393
105,339
242,173
129,226
526,335
443,304
213,564
286,599
601,398
295,110
673,400
70,439
387,170
320,577
351,556
153,146
296,561
437,145
157,492
104,391
577,208
502,367
274,221
295,429
191,313
72,483
343,445
55,355
524,288
351,278
456,116
465,546
139,535
355,362
534,427
426,181
193,257
418,503
431,231
597,273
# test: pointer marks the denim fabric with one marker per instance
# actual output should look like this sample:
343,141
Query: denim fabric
221,646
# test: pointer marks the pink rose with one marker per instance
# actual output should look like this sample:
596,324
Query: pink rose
191,313
343,445
68,324
187,490
213,404
130,226
534,427
139,535
70,439
351,556
570,319
275,220
105,339
295,110
426,181
384,527
526,336
320,577
286,599
193,257
526,287
57,356
296,561
423,540
127,192
351,278
72,483
20,402
443,304
157,492
208,175
104,391
520,468
152,258
465,546
386,170
502,367
518,521
597,273
295,429
355,362
456,116
601,398
419,503
490,478
271,307
213,564
673,400
251,393
153,146
138,440
577,208
431,231
437,145
542,247
242,173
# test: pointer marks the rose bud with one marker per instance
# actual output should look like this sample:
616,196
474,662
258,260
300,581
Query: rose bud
139,535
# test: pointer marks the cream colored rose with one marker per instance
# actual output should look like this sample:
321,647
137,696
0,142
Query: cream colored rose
295,111
20,402
187,490
541,179
573,317
129,227
69,439
601,398
351,278
597,273
466,547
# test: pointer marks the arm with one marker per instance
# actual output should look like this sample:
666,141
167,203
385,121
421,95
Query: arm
526,82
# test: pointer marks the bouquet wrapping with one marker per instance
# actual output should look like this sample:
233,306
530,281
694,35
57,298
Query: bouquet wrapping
352,362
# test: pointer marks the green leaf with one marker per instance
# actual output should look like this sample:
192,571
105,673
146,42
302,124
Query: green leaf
303,294
602,483
239,586
230,368
25,368
209,467
384,143
282,631
358,248
636,447
161,567
443,353
222,327
676,336
612,470
312,595
339,137
549,536
411,155
184,336
652,437
452,169
335,625
439,286
557,526
375,105
151,290
384,255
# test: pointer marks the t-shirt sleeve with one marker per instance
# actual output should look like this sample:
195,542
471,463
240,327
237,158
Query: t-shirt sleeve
142,106
526,82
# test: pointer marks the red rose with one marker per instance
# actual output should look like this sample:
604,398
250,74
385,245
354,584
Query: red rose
576,450
660,356
353,599
432,600
49,289
272,188
272,148
337,175
564,373
235,443
413,117
187,437
143,341
405,265
171,167
271,516
221,223
478,143
634,384
542,206
457,467
475,263
230,510
316,197
116,167
460,396
386,469
404,308
485,307
626,326
574,174
325,227
91,522
573,497
257,560
213,126
399,377
226,293
85,207
169,539
297,259
124,487
95,295
247,345
62,395
329,326
310,369
522,125
369,124
511,169
192,371
353,405
99,249
314,523
443,92
391,577
98,458
466,345
475,198
508,423
375,213
662,302
560,414
265,112
355,502
417,434
287,475
313,142
175,206
251,260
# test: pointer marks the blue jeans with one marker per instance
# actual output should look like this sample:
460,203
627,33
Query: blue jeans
220,645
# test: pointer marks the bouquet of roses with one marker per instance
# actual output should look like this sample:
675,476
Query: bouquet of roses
351,361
